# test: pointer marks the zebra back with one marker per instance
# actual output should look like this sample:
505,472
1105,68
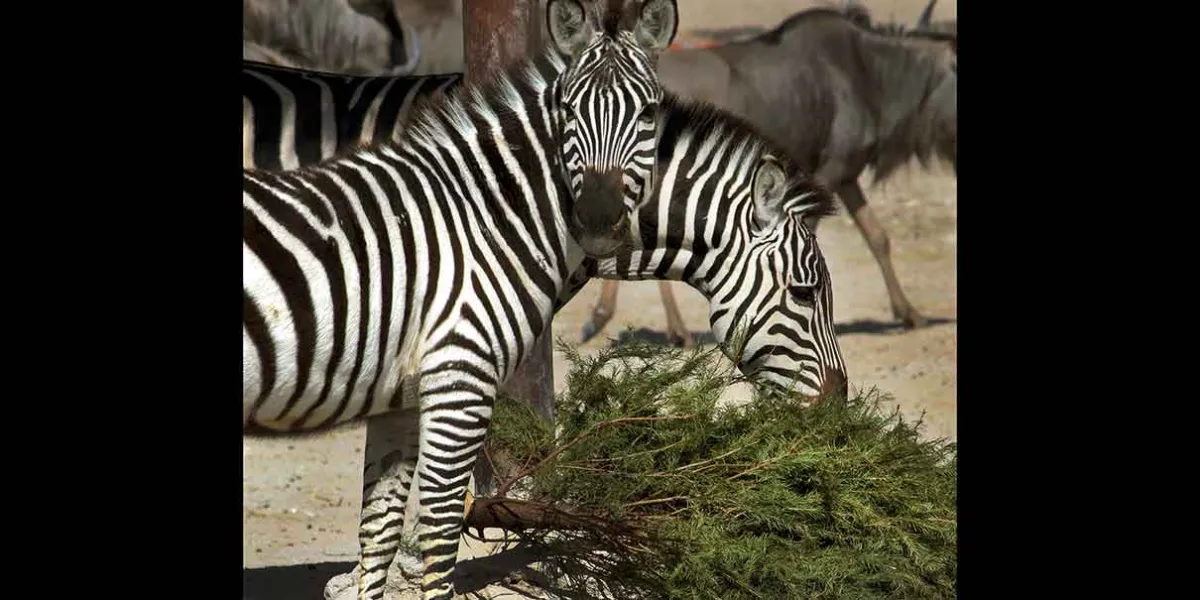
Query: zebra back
294,118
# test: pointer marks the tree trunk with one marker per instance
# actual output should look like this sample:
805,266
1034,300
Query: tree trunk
518,515
497,33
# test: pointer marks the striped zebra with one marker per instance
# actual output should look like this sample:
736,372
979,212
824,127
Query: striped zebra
784,343
731,216
415,275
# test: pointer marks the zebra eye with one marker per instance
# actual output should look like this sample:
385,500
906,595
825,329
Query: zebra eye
648,114
804,294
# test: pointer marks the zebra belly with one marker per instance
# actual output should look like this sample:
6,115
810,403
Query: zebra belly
327,399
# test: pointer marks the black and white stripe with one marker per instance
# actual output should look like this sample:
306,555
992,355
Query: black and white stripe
728,216
293,118
708,158
731,217
418,273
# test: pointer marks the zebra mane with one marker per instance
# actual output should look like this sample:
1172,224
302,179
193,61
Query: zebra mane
498,96
710,124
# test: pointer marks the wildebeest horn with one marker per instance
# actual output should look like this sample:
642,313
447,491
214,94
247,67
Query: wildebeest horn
926,15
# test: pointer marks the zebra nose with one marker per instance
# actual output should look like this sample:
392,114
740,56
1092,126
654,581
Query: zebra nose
600,206
834,382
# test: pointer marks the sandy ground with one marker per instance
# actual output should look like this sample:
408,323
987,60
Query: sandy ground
301,497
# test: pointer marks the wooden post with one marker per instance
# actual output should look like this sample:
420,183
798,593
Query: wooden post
497,33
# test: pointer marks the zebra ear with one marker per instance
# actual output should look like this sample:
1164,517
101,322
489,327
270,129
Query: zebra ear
567,22
767,190
657,24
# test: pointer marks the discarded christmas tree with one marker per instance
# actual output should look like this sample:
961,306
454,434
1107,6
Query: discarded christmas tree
651,489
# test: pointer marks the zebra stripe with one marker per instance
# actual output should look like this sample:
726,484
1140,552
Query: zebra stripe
685,232
729,220
751,253
710,166
418,274
294,118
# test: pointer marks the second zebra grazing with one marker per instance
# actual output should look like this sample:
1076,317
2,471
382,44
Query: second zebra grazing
417,273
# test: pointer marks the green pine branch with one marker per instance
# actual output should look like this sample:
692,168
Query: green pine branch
656,491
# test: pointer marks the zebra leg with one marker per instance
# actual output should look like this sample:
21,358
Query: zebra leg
877,239
456,413
677,331
603,312
381,529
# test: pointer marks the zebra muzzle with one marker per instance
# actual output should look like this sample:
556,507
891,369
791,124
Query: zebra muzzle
600,207
601,219
606,244
834,382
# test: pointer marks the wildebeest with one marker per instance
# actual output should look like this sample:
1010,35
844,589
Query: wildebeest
945,29
839,114
361,37
840,97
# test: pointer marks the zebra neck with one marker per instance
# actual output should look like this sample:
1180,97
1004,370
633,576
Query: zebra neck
492,149
498,138
692,226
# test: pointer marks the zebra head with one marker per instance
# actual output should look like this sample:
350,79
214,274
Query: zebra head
605,105
782,301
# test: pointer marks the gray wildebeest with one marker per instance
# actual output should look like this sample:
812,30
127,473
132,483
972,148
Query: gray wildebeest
926,27
840,97
357,37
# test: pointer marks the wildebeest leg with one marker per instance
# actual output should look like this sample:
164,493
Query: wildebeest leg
677,331
877,239
603,311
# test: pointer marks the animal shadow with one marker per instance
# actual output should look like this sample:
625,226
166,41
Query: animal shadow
658,338
293,582
874,327
863,326
472,577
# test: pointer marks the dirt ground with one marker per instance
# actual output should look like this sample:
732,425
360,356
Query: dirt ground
301,497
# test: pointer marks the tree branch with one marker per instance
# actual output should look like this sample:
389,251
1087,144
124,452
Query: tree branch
519,515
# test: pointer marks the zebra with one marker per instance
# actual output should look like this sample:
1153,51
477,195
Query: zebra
387,475
732,216
416,274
